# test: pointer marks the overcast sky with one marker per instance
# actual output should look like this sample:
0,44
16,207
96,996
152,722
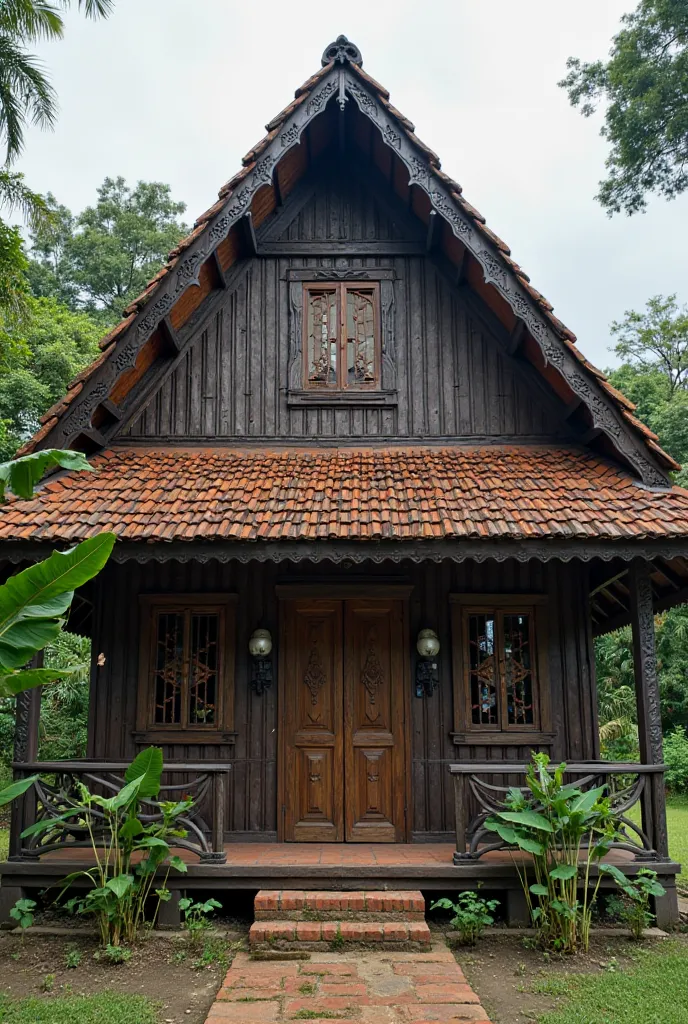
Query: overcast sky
179,90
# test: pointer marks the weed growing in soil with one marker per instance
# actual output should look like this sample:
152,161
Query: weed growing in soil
471,915
23,913
73,958
196,917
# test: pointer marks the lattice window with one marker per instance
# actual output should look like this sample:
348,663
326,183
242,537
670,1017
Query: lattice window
189,660
342,336
500,668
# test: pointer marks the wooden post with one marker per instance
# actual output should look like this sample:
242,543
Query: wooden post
647,700
27,716
218,796
460,817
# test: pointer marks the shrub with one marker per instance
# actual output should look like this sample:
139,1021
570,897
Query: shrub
676,760
471,914
634,908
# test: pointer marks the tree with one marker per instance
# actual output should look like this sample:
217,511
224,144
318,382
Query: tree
25,92
104,257
656,340
644,85
55,343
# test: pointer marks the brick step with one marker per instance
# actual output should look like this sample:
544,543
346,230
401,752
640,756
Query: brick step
333,936
299,905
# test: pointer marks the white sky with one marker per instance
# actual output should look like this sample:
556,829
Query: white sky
179,90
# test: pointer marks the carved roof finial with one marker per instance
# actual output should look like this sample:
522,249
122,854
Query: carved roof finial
342,50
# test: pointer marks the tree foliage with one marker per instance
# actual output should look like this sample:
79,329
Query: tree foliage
644,86
26,95
104,257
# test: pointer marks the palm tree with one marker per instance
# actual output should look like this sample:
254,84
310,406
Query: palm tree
25,92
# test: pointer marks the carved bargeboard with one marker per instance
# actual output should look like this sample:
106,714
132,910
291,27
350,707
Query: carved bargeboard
343,687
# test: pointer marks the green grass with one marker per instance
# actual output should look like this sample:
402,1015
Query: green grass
104,1008
655,991
677,825
4,843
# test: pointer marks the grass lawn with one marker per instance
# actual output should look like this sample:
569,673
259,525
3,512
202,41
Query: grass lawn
4,842
677,822
655,991
104,1008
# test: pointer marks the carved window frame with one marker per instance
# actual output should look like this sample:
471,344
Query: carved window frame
221,731
384,392
499,605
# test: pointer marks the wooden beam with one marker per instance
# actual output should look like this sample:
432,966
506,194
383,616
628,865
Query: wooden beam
170,334
590,435
279,198
249,234
219,272
112,408
361,248
607,583
516,338
573,407
676,581
433,236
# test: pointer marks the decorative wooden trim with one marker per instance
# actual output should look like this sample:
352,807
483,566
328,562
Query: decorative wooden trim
502,739
223,730
342,591
465,731
313,274
348,399
335,248
159,735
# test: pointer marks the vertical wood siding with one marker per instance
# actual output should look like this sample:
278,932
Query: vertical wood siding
452,379
253,790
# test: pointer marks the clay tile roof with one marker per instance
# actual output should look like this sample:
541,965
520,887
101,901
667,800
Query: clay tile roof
517,492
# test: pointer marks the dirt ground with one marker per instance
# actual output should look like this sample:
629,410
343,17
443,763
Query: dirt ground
504,970
165,970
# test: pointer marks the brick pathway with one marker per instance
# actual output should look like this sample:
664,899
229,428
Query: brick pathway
365,987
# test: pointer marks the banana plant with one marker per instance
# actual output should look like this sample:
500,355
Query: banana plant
563,831
129,845
34,603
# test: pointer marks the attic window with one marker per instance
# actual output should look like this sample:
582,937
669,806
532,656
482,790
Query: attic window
342,336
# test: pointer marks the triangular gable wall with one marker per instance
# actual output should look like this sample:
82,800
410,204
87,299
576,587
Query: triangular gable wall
91,412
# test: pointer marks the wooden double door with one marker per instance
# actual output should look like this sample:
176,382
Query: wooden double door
344,692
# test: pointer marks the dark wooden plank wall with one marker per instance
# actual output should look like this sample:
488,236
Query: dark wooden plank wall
253,791
452,379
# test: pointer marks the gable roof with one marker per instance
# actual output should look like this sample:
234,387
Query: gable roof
88,416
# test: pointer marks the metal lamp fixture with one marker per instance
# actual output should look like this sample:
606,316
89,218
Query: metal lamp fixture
427,671
260,646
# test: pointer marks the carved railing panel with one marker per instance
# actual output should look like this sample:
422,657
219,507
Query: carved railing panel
476,797
56,791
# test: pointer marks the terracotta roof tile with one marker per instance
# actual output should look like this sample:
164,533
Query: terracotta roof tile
518,492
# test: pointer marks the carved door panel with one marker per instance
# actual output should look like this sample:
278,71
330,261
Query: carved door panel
374,756
313,722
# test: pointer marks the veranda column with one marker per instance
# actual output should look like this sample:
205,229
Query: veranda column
647,699
27,716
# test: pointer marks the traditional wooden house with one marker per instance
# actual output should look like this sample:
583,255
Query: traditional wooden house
373,505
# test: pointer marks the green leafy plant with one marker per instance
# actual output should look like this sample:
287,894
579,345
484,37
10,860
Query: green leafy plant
48,983
23,913
196,917
676,759
471,915
117,954
73,958
634,907
120,833
553,825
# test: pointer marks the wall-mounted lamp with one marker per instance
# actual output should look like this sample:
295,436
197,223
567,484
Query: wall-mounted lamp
427,672
260,646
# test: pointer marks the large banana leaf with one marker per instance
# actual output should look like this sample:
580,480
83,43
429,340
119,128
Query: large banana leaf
12,683
146,766
34,603
21,475
16,789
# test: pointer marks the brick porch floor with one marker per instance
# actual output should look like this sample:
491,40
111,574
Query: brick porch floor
364,987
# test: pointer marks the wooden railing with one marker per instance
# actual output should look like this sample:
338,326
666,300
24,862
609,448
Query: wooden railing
476,797
56,791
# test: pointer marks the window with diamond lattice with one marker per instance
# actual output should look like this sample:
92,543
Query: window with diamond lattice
188,649
501,666
342,336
